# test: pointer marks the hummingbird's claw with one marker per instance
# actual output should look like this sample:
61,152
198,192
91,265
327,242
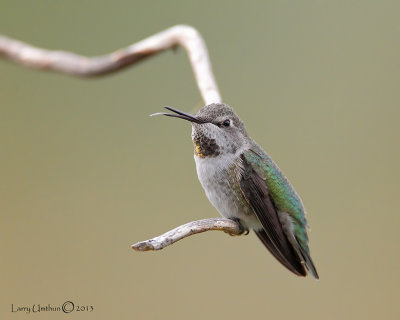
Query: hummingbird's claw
243,230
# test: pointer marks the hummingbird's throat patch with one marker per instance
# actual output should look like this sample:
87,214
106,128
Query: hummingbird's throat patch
206,148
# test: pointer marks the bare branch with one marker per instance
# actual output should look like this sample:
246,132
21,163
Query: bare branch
77,65
189,229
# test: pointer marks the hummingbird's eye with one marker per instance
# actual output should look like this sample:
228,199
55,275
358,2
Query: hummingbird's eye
226,123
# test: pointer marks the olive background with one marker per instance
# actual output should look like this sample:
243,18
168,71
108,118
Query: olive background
85,172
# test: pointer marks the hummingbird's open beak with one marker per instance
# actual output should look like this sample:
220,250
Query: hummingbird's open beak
178,114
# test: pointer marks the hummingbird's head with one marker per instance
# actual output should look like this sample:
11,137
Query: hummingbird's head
216,130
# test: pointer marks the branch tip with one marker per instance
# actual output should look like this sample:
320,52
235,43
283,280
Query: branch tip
220,224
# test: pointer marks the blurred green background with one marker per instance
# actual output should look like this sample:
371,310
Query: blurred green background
85,172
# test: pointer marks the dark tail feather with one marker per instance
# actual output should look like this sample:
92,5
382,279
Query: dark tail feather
308,261
291,262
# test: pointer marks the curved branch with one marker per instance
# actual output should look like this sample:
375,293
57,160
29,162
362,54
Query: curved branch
77,65
229,226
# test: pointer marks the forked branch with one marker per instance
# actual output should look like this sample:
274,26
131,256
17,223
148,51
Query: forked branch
77,65
229,226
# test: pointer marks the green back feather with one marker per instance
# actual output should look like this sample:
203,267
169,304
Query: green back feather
281,191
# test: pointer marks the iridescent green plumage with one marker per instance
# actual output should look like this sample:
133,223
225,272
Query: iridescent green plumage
284,196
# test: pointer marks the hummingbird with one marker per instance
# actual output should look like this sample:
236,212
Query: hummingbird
244,184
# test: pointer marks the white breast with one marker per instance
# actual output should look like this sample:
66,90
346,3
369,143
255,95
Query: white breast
215,178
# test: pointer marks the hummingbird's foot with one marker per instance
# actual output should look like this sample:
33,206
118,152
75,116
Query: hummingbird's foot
243,230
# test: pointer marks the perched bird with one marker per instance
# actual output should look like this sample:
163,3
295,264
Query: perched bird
244,184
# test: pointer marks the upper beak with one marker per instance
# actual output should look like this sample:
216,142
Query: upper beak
179,114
